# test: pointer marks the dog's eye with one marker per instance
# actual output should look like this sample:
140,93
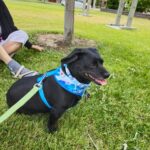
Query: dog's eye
94,64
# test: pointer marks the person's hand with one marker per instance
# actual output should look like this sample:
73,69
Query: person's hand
37,47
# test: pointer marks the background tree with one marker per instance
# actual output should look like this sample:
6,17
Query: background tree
131,13
113,4
86,7
119,12
94,3
98,3
143,5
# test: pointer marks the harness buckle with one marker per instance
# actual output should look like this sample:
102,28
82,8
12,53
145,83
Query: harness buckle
38,85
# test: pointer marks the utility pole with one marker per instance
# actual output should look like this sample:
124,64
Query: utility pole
69,22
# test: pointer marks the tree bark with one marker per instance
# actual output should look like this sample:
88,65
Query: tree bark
88,6
69,22
84,8
94,3
119,12
131,13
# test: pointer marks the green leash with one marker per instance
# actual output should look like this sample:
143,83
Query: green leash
20,103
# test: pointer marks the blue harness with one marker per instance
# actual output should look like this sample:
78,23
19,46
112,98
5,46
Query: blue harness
66,81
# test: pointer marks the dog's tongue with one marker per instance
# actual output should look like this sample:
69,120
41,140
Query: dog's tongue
102,82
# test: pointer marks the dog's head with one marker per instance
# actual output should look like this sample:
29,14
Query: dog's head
86,65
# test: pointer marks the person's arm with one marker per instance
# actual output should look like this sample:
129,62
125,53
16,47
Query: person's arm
29,45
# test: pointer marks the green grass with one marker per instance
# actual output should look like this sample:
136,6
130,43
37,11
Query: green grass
114,113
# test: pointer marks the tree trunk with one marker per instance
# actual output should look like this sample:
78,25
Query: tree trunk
131,13
69,22
88,6
94,3
84,9
119,12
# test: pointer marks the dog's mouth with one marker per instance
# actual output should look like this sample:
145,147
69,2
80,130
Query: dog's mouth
98,81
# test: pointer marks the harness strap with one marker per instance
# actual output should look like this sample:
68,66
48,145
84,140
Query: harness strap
67,82
41,91
44,100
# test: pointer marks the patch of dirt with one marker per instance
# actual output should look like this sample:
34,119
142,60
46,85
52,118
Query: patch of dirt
55,41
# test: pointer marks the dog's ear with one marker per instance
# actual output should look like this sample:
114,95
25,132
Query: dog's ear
72,56
79,52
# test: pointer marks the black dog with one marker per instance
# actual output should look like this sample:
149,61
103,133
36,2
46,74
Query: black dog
84,64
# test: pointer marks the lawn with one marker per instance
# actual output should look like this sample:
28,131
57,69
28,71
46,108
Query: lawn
117,113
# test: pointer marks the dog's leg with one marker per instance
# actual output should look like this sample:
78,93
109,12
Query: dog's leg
53,118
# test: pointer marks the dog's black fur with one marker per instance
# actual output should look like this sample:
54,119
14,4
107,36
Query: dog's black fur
85,65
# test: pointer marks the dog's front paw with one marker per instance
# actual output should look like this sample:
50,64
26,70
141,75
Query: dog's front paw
52,128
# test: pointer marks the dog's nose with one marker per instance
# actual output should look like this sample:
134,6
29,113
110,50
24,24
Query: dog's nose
106,74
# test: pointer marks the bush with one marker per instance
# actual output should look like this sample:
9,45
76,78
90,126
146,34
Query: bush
97,3
113,4
143,5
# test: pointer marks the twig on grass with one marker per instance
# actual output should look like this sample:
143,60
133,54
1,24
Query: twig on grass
125,146
93,142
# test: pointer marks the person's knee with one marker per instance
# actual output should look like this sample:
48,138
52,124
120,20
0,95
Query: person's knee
24,35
